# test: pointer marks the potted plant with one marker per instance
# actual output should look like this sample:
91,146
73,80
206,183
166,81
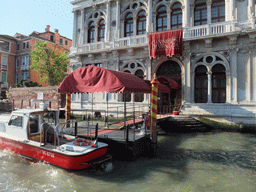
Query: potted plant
175,110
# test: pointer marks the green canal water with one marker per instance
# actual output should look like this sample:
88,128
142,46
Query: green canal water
214,161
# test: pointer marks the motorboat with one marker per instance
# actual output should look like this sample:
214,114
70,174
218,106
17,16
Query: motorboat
36,134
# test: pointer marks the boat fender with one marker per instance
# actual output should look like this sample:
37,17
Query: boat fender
82,142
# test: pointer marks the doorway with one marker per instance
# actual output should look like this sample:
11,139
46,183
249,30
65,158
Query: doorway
170,70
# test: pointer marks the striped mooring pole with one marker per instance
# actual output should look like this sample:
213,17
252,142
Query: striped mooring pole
153,127
68,108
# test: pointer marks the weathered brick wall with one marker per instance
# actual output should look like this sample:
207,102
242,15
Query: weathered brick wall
22,96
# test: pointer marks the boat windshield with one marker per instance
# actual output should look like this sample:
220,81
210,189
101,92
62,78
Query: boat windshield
50,117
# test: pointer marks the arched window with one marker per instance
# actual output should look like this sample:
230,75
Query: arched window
218,11
218,84
91,33
161,20
176,16
200,13
128,31
141,23
139,97
201,84
101,30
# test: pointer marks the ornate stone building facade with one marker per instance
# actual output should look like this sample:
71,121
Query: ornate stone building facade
216,72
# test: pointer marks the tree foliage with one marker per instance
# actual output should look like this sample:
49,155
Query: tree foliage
49,64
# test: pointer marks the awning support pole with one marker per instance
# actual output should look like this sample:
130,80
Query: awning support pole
68,108
92,108
126,127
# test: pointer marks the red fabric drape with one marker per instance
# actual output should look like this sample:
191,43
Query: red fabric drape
167,43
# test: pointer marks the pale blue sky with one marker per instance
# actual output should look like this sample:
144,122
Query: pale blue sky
26,16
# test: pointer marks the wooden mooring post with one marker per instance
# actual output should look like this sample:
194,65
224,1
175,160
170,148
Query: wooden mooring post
153,127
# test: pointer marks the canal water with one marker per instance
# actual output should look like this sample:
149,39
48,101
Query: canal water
214,161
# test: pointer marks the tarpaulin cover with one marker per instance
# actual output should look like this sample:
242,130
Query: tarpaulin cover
166,43
161,87
93,79
169,82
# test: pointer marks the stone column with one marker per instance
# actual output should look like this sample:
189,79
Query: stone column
209,87
82,27
249,77
228,87
192,76
186,13
85,35
149,18
250,8
135,25
168,19
118,19
251,14
184,21
233,71
231,9
96,32
209,12
107,30
192,17
74,43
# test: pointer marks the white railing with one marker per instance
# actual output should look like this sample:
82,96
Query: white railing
94,46
131,41
4,67
142,40
210,29
4,85
24,67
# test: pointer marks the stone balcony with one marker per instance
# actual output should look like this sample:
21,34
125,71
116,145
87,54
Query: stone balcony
221,29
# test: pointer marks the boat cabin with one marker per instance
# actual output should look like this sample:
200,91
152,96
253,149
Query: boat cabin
29,124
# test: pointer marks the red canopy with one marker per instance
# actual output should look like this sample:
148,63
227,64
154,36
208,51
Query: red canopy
97,79
161,87
169,82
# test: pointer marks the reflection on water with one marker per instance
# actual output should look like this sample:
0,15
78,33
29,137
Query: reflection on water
215,161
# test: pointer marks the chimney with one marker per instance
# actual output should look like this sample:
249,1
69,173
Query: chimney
47,29
56,31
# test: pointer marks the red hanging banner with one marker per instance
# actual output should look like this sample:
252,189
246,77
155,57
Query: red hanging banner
166,43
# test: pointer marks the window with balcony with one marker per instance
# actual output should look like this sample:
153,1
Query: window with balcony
141,23
4,61
201,84
200,13
3,77
161,24
176,16
25,76
101,30
25,63
128,30
218,84
218,11
91,33
17,78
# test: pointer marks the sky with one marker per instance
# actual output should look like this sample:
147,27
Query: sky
26,16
